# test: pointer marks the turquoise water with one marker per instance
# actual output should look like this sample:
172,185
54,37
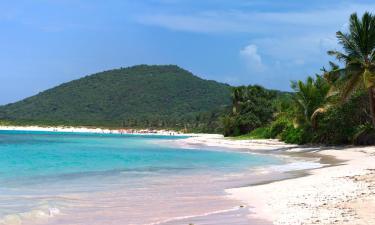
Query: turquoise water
50,168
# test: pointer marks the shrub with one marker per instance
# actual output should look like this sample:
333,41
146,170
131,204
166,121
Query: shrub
278,126
260,133
252,107
296,135
365,135
341,123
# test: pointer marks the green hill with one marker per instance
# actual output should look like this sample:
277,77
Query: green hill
139,96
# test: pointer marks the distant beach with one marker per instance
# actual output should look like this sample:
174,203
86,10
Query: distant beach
92,130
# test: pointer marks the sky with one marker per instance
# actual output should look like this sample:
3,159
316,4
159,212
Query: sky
44,43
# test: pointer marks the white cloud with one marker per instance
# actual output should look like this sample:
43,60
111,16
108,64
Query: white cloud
214,21
285,45
205,22
292,38
252,58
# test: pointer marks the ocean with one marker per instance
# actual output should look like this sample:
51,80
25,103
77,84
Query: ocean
82,178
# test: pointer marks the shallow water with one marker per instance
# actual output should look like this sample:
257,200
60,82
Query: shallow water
66,178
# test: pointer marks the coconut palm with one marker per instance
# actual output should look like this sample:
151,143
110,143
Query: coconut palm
359,58
238,96
329,93
309,97
235,96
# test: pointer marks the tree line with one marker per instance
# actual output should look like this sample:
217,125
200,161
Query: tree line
336,106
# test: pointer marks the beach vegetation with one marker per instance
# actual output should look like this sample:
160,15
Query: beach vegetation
359,59
337,106
252,107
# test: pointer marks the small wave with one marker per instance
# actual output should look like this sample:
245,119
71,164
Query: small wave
33,215
11,220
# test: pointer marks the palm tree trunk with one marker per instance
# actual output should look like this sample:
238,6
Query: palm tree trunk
371,92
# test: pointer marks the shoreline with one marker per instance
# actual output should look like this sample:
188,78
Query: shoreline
200,199
70,129
342,191
339,191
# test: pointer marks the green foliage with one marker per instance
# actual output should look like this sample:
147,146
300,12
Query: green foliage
258,133
4,123
339,125
337,107
261,132
346,123
359,58
252,107
278,127
138,97
309,97
365,135
293,135
283,130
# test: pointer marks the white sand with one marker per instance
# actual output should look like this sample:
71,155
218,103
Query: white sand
342,194
92,130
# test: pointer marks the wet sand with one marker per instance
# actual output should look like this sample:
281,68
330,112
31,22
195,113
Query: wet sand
342,192
317,185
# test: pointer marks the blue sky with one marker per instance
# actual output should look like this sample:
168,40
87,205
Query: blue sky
46,42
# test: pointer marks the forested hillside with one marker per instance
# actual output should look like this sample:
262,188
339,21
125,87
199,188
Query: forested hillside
139,96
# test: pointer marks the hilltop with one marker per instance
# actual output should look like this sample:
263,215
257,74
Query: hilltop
139,96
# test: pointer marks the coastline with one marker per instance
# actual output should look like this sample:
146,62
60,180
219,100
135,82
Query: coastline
337,193
69,129
185,197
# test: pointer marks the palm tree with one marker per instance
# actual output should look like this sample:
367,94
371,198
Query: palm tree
238,96
359,59
309,97
329,93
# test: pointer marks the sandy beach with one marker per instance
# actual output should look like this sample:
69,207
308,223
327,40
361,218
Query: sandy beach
94,130
343,193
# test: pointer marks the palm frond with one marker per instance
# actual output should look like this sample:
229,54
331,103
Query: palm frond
350,46
309,96
316,113
333,65
339,55
351,84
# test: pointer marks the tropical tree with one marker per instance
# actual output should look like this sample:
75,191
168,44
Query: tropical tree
238,97
329,76
359,58
309,97
252,107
